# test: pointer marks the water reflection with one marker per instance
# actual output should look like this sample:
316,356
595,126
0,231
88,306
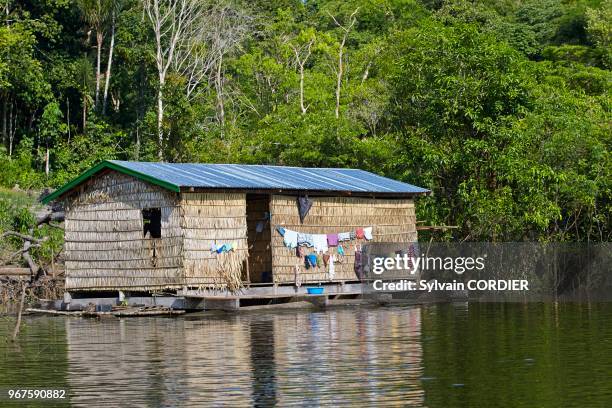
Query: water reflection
298,358
263,362
476,355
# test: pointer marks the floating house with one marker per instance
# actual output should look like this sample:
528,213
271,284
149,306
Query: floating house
138,226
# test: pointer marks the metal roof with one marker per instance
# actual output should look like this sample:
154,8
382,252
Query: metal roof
177,176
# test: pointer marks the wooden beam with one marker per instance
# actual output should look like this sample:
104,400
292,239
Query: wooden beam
14,271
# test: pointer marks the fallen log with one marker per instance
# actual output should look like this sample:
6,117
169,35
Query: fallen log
47,216
25,237
14,271
54,312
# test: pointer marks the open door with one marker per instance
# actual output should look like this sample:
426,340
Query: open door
259,238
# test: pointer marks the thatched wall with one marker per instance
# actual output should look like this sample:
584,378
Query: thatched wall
214,218
392,221
104,241
260,254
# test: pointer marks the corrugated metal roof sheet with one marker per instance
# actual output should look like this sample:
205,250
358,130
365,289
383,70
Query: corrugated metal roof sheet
175,176
263,177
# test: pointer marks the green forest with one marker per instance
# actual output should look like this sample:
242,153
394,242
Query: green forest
500,107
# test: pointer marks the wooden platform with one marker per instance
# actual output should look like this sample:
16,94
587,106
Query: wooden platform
275,291
194,299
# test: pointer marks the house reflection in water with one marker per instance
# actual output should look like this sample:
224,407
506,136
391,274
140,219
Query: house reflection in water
339,356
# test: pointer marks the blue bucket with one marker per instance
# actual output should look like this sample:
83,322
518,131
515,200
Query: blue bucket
315,291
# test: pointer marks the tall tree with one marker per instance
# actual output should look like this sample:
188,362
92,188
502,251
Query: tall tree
345,29
115,6
174,23
301,46
95,13
230,26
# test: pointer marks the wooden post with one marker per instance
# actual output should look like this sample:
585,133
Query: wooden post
21,302
248,274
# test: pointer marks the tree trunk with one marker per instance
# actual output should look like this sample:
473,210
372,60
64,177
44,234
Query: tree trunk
109,64
220,104
47,162
340,71
68,117
302,90
160,120
99,39
84,113
11,131
4,118
339,78
137,144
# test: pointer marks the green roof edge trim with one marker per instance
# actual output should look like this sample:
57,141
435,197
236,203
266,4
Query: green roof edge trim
107,165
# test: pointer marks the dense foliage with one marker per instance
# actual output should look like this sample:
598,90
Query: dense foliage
501,108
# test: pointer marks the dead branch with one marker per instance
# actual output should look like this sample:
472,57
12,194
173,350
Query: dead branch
28,258
21,302
25,237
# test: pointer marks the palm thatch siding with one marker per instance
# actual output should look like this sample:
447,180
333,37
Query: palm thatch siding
104,241
214,219
393,220
260,254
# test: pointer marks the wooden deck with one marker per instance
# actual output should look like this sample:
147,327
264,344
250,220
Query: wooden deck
194,299
275,291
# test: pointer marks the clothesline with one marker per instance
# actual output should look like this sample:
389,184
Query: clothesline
321,242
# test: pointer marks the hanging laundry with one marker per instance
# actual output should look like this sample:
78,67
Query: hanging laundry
332,240
290,238
319,242
326,259
280,230
353,235
359,233
260,227
299,252
340,250
310,261
358,265
305,239
319,261
367,233
344,236
304,205
332,267
223,248
296,276
213,248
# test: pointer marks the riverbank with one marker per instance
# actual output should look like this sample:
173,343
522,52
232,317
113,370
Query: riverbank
40,290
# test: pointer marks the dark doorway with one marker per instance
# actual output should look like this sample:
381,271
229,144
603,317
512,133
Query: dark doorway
258,238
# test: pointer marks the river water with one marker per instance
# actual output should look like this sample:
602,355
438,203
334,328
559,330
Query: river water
446,355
